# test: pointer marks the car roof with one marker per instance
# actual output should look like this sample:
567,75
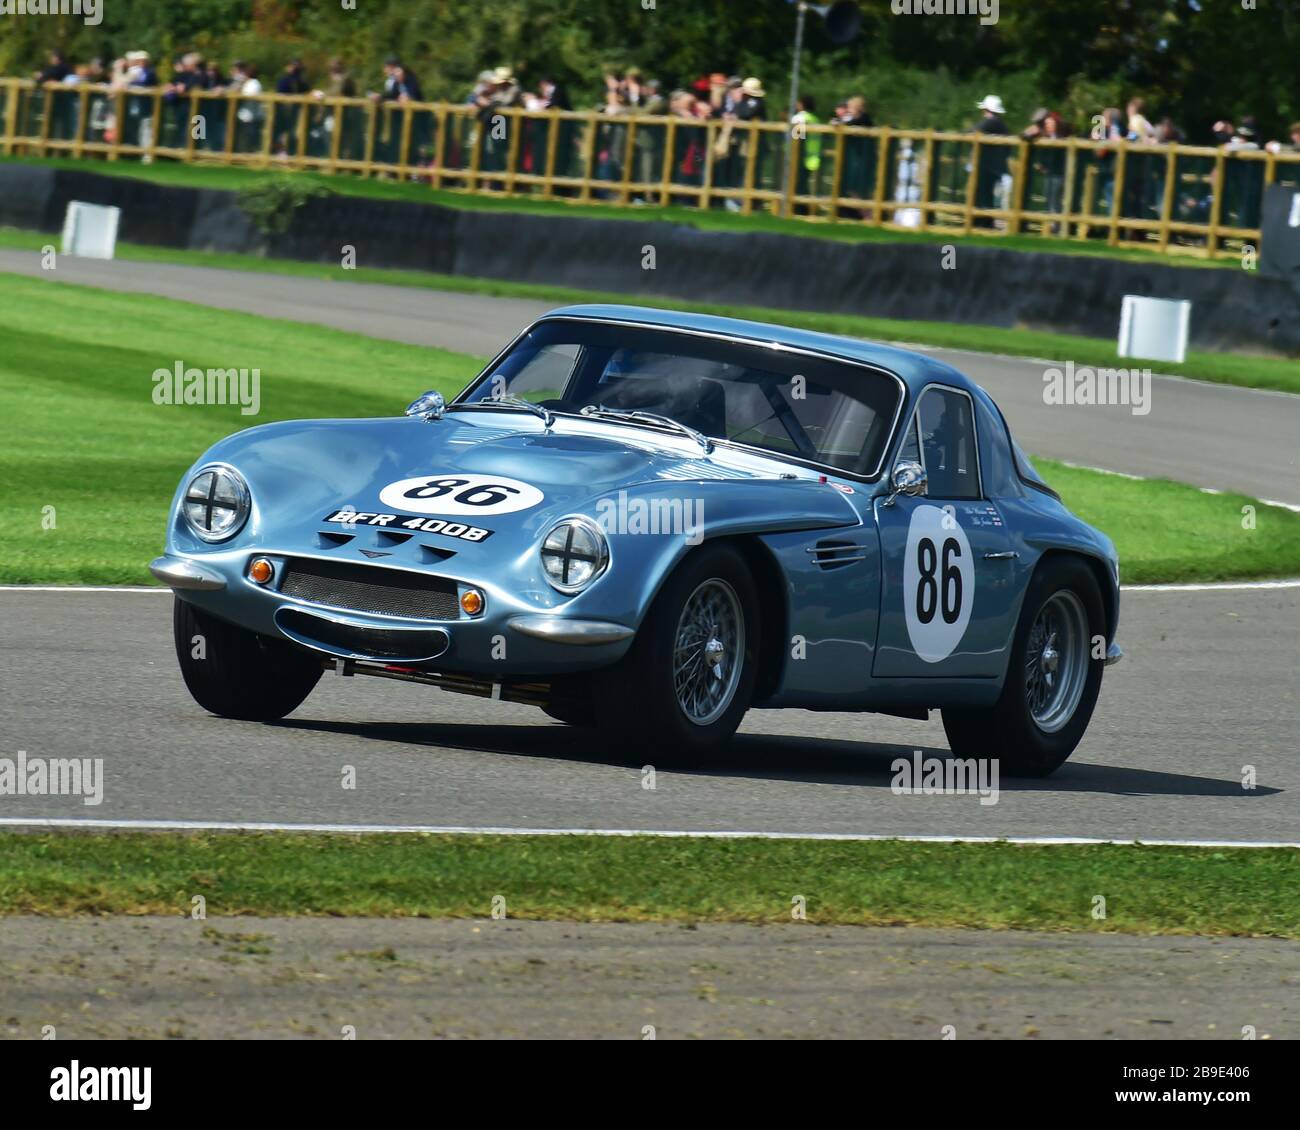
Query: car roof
915,368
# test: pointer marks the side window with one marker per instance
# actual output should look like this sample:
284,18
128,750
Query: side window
948,444
910,449
941,437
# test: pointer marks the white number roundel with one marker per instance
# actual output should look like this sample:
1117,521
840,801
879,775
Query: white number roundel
938,582
460,494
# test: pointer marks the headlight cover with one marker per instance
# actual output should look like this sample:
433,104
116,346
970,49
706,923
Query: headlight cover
574,554
216,502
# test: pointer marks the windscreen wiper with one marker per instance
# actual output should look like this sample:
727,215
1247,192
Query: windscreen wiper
509,400
639,417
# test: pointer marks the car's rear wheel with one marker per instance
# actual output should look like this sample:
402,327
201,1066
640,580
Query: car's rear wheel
683,688
237,673
1053,677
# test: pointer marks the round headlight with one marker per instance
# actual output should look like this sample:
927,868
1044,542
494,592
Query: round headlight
574,554
215,503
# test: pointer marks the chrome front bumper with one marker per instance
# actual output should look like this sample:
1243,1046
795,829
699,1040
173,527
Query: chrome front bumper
583,633
178,573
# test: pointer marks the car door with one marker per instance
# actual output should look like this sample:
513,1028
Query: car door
946,558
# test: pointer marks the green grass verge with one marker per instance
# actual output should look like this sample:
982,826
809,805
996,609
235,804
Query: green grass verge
1221,368
233,178
80,433
1148,890
1167,531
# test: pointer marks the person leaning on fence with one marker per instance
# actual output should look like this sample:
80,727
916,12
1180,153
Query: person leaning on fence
643,97
138,71
212,111
551,95
808,182
56,68
1048,163
63,106
292,82
249,115
723,106
688,139
610,137
400,85
859,174
1139,129
187,77
501,92
992,159
1243,181
750,106
1283,147
320,130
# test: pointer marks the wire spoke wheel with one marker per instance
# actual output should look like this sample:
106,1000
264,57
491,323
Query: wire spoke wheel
1056,661
709,651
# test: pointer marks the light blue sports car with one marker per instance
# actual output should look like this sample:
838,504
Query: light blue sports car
650,522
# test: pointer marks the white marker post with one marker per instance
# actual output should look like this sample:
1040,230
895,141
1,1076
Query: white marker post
90,230
1154,329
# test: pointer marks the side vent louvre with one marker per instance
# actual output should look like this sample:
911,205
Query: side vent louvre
328,539
388,537
836,554
429,553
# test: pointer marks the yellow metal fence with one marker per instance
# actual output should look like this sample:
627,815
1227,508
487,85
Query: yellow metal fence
1176,199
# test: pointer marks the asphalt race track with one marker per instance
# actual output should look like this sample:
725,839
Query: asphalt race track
1205,434
1207,688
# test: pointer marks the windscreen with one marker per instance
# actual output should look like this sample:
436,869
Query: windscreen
805,406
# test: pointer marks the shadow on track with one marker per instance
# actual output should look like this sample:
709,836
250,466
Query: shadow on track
822,761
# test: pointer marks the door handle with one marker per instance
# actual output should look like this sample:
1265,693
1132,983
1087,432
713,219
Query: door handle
1007,556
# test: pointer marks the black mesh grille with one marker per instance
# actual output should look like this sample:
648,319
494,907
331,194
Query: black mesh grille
379,643
370,588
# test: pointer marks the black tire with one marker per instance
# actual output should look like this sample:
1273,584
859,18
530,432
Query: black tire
636,700
240,674
1008,730
571,713
571,701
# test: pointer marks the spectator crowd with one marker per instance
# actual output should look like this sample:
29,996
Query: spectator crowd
729,150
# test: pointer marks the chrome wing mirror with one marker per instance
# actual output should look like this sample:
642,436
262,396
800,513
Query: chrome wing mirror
907,478
428,407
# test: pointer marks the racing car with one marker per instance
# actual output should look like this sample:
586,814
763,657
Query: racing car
650,522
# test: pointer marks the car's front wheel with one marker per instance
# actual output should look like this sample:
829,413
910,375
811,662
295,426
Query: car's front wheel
683,688
237,673
1053,677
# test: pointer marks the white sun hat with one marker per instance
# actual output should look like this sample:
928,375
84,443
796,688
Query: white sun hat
993,104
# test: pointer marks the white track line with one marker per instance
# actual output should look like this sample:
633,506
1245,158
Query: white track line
1295,509
446,830
83,588
1214,586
